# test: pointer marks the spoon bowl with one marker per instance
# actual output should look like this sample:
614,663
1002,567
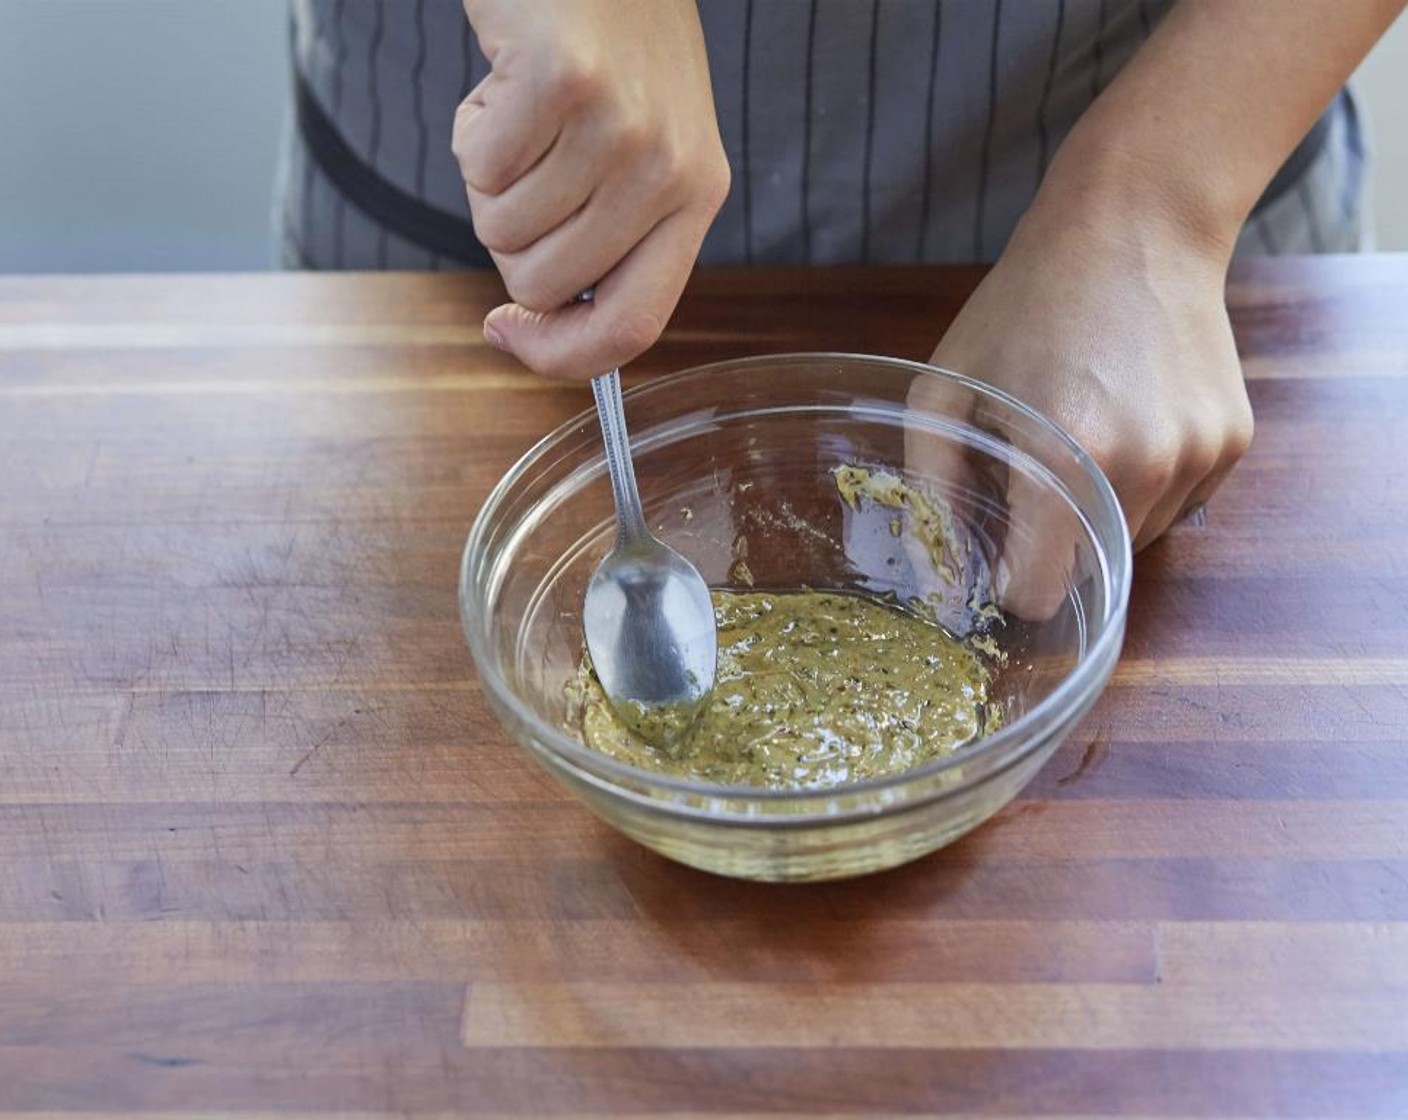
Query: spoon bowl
648,618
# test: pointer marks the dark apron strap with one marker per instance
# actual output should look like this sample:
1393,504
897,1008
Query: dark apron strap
383,202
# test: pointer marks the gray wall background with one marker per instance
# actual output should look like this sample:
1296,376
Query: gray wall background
143,134
139,134
1383,79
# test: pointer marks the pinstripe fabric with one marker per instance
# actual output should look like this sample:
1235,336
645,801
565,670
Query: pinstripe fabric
867,159
808,86
925,202
858,130
745,178
777,197
1043,127
724,25
378,110
898,160
985,158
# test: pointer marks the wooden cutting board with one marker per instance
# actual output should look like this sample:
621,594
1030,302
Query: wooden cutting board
264,850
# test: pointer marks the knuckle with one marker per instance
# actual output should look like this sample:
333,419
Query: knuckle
1240,435
669,171
464,113
702,183
1202,454
492,238
1141,470
469,156
482,172
530,288
717,181
632,139
493,229
1161,465
569,81
1211,448
484,161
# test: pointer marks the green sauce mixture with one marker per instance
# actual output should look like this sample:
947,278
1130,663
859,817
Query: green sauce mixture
814,689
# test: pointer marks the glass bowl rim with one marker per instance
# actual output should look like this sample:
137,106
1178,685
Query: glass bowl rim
1004,745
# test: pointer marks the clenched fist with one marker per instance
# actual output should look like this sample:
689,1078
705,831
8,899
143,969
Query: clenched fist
592,158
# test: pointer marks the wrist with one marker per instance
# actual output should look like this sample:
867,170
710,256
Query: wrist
1108,187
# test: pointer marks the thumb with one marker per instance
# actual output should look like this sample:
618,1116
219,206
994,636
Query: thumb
514,329
628,313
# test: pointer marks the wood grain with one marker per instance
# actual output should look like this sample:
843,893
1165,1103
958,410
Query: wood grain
955,1016
264,851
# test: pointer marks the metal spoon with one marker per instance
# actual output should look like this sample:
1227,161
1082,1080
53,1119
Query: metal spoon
648,618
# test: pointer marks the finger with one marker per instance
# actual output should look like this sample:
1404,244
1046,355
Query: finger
542,199
933,451
1038,566
946,571
1157,523
590,245
1169,507
1197,461
1203,492
627,315
499,134
1180,504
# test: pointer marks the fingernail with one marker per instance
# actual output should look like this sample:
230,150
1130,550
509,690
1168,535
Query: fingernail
493,336
1002,579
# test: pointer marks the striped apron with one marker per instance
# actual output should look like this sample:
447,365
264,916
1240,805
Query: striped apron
879,131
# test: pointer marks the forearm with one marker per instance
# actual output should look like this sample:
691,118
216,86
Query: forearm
1197,124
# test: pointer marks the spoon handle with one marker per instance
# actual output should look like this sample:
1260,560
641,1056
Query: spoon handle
630,518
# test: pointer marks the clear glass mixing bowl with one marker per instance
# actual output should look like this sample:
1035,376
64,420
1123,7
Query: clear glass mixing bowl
735,463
